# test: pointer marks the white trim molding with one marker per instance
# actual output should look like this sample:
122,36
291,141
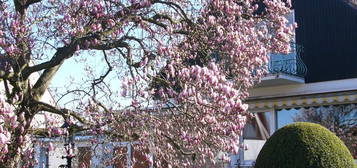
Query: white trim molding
303,89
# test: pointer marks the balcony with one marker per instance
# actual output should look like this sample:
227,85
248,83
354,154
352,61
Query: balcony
285,69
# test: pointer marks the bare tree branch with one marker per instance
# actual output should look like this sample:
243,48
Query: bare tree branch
44,81
22,5
176,7
102,77
65,113
177,146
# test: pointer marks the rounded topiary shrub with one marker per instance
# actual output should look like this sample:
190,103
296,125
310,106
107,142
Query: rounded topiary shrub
304,145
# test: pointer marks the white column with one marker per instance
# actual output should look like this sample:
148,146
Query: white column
273,121
37,155
129,161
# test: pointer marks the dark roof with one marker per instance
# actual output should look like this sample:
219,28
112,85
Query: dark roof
328,33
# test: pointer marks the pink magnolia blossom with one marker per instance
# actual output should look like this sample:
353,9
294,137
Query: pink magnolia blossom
3,138
183,66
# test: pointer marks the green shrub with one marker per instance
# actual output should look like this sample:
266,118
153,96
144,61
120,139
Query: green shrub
304,145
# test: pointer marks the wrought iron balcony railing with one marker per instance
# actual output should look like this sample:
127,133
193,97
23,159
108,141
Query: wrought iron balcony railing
292,64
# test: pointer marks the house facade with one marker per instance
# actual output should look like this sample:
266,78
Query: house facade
317,82
103,153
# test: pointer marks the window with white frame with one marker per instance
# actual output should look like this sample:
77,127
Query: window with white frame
83,157
131,155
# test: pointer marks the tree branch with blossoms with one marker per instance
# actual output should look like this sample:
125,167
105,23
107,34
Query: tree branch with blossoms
183,66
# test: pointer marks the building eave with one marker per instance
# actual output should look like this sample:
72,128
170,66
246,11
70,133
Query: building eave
303,89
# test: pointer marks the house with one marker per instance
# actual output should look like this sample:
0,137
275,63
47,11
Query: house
314,83
317,79
102,154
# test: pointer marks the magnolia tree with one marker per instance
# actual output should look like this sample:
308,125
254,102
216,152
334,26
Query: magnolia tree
187,65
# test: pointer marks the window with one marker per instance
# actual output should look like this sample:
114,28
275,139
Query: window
120,157
84,157
140,158
131,156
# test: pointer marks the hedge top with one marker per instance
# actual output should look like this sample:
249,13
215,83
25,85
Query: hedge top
304,145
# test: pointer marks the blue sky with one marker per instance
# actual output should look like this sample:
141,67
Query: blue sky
72,75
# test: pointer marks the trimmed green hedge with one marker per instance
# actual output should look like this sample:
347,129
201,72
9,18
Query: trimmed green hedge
304,145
